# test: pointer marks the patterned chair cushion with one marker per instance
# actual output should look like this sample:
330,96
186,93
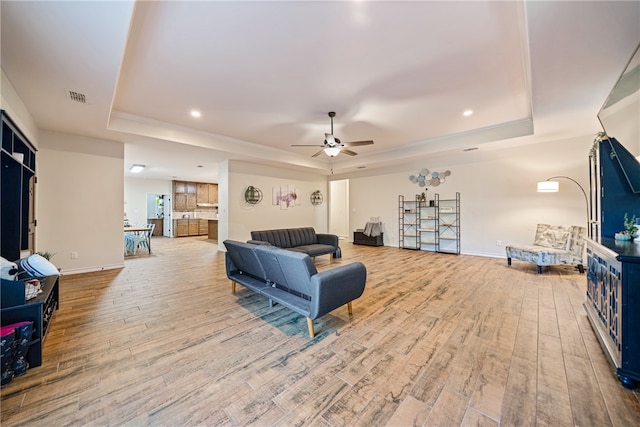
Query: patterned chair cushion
552,236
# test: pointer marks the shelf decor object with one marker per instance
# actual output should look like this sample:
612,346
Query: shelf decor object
252,195
426,178
316,198
550,186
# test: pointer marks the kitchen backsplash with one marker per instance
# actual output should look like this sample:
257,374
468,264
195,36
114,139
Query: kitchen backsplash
208,214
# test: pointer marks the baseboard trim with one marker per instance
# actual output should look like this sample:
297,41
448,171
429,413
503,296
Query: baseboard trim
91,269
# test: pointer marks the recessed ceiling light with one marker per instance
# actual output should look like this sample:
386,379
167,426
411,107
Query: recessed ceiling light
467,113
136,168
195,113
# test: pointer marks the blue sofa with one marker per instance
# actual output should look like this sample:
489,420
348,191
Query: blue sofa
290,278
303,239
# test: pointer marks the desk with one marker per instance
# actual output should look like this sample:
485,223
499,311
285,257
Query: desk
141,234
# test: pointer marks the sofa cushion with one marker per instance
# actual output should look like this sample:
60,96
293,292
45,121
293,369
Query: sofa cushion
279,238
287,269
314,250
551,236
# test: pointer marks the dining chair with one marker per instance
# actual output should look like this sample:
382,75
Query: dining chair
146,243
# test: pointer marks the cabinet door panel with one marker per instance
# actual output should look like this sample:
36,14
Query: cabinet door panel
213,193
179,187
191,201
180,202
203,193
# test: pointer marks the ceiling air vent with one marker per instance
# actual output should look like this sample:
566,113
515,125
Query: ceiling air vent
78,97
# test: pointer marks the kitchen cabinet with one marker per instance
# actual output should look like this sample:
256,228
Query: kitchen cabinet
213,229
190,227
202,193
159,226
188,195
203,227
213,193
181,226
194,227
184,195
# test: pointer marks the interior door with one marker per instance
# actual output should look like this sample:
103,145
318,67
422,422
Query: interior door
168,219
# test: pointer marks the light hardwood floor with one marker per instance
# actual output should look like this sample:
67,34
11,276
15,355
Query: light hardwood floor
437,340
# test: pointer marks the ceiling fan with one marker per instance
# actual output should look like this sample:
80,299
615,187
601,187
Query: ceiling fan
332,146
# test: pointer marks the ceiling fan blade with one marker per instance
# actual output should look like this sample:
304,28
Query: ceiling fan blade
318,153
306,145
356,143
348,152
330,139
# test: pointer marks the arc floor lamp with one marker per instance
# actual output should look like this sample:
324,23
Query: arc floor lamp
550,186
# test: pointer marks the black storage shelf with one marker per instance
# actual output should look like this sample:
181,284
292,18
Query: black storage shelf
38,310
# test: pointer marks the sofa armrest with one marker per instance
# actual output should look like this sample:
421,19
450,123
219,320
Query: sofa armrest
327,239
334,288
330,239
259,242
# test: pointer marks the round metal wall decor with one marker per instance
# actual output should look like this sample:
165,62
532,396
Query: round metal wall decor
316,198
252,195
427,179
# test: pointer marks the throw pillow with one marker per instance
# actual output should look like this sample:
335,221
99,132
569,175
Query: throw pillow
8,269
551,236
36,266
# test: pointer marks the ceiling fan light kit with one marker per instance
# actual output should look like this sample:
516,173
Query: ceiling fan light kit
332,146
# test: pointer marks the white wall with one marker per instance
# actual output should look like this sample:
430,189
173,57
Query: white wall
498,193
135,196
79,201
10,102
242,218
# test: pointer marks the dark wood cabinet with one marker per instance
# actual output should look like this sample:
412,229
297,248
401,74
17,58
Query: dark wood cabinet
359,238
17,191
613,267
39,310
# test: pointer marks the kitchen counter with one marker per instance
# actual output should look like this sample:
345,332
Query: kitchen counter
213,229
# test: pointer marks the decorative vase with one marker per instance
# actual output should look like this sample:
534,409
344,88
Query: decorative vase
620,236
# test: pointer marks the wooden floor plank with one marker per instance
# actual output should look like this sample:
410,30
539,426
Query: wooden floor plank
435,339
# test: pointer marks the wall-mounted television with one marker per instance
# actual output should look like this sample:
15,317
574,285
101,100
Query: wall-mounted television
620,119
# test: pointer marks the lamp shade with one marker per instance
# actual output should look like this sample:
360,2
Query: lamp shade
548,187
332,151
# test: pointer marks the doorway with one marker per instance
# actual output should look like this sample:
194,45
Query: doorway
159,212
339,208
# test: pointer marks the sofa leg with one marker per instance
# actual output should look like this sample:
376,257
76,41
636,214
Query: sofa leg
539,269
312,333
233,287
350,308
508,261
580,268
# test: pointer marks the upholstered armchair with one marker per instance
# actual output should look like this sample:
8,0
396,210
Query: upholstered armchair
553,245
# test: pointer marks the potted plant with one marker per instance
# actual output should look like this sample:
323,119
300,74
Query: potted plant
630,228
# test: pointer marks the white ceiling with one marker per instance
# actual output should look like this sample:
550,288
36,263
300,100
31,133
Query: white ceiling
264,75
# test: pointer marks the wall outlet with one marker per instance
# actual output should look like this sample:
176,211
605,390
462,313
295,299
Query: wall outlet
74,255
498,242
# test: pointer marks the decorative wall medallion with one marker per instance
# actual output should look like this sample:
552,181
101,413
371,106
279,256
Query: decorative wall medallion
429,179
316,198
252,195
